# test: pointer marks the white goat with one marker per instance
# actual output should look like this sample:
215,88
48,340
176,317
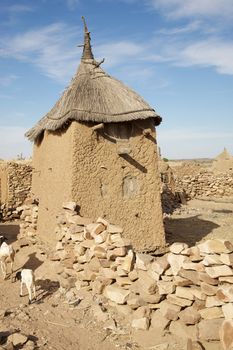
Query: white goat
26,276
7,253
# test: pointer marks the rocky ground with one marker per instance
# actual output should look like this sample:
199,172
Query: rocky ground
52,323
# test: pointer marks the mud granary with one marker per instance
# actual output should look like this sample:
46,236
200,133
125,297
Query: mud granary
223,162
97,147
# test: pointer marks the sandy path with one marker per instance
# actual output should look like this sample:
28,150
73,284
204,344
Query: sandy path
200,220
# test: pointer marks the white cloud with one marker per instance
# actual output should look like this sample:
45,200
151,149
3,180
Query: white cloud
8,79
211,52
118,52
13,13
209,19
6,97
53,50
72,4
189,28
19,8
216,53
13,142
48,47
125,1
192,8
186,134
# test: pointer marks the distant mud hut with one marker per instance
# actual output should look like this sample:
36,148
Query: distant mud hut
223,162
97,147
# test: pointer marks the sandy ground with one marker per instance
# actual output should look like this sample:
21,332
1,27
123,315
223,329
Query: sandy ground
53,324
199,220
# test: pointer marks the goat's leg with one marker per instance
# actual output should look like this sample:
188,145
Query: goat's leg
12,259
21,289
12,262
1,262
29,293
34,291
3,267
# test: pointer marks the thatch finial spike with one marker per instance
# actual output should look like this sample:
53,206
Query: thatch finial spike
85,26
87,52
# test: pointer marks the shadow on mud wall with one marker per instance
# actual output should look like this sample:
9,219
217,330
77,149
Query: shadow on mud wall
169,201
172,200
187,230
10,231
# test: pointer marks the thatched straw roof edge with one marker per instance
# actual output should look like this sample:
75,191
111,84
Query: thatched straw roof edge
85,116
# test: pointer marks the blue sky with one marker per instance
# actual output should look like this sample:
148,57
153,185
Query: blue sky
178,54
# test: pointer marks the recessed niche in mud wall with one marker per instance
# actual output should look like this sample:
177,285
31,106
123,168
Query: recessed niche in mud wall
103,190
130,186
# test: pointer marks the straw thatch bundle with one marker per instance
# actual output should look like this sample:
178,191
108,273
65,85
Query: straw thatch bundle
94,96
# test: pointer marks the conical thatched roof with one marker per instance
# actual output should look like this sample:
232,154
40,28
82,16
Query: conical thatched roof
224,155
94,96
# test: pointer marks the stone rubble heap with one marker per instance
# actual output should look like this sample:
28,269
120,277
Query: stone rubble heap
17,340
205,183
11,337
186,291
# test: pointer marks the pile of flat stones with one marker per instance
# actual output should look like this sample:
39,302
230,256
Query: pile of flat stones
17,341
187,291
12,339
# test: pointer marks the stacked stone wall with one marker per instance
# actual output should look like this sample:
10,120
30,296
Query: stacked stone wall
28,214
15,188
205,184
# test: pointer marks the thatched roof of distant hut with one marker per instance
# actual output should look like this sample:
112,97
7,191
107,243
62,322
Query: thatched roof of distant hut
224,155
94,96
223,162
